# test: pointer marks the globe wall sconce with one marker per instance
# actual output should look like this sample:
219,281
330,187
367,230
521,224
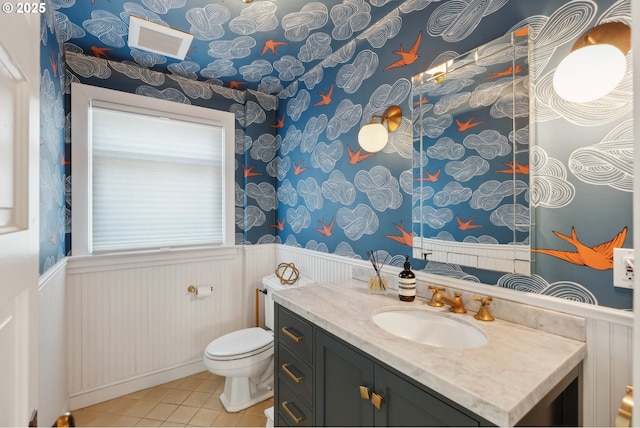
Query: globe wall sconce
596,64
374,135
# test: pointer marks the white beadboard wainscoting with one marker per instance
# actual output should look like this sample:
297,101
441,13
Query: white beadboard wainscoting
607,370
53,389
132,323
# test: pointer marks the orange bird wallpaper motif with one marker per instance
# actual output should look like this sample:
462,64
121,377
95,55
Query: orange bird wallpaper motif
599,257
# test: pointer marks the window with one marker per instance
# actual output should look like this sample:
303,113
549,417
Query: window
148,174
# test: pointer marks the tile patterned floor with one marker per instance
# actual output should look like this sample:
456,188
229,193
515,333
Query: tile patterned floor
191,401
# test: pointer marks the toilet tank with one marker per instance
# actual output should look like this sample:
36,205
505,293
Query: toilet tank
271,284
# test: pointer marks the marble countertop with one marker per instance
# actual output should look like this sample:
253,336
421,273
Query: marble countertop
500,381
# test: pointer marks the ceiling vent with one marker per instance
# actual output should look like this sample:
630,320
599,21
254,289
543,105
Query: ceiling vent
157,38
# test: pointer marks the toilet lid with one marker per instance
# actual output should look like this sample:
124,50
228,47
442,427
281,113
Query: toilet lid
245,341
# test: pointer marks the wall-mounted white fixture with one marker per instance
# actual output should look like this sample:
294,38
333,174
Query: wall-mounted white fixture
374,135
623,267
157,38
595,65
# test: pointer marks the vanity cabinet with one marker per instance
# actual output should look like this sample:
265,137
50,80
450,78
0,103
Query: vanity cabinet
353,389
323,381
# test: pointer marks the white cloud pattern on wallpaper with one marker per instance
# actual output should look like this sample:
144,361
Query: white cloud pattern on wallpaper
312,130
297,105
107,27
310,191
193,88
383,30
188,69
169,94
132,9
489,144
316,46
338,189
347,115
298,25
163,6
356,223
350,76
608,163
446,148
254,71
550,189
87,66
491,193
253,217
325,156
287,194
453,193
381,187
66,29
298,218
264,194
537,284
260,16
264,148
514,216
206,22
288,67
434,218
291,140
456,19
349,17
279,167
147,76
466,169
218,68
240,47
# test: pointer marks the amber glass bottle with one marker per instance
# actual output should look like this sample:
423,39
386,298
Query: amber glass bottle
407,283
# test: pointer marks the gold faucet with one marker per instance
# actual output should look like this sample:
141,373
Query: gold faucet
438,300
483,313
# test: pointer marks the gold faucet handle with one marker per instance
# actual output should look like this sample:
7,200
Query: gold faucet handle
483,313
435,291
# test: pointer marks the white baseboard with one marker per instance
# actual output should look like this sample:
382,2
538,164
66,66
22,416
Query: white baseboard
86,398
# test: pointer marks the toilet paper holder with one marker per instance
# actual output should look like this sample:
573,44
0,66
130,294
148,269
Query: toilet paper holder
194,289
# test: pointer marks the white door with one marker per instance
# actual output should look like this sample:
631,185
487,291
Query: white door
19,158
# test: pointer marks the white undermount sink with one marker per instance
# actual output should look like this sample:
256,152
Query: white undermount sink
430,328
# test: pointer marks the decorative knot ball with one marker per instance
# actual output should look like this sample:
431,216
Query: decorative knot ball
287,273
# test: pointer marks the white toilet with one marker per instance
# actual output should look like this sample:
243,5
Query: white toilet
245,357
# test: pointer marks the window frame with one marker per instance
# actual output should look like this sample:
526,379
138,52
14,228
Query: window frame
82,98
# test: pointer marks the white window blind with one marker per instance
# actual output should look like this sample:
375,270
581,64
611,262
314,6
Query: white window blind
157,182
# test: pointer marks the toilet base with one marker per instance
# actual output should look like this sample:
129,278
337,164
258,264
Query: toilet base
234,401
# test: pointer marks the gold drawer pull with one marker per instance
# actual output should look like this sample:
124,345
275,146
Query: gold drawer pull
296,379
376,400
365,393
296,419
292,336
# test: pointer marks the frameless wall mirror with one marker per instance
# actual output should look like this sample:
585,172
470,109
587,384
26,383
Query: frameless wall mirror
471,175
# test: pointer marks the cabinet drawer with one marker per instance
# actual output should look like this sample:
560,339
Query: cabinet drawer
296,373
295,333
292,410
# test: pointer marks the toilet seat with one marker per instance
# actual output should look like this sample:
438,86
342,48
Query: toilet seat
240,344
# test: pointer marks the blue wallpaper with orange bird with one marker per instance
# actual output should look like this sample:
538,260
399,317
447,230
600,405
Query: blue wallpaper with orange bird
303,180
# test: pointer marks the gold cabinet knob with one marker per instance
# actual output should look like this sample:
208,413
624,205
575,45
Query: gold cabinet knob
376,400
365,392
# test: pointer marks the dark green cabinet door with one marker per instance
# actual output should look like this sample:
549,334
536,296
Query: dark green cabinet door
404,404
340,372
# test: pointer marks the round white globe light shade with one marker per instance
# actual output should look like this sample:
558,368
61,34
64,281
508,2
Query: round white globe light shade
589,73
373,137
